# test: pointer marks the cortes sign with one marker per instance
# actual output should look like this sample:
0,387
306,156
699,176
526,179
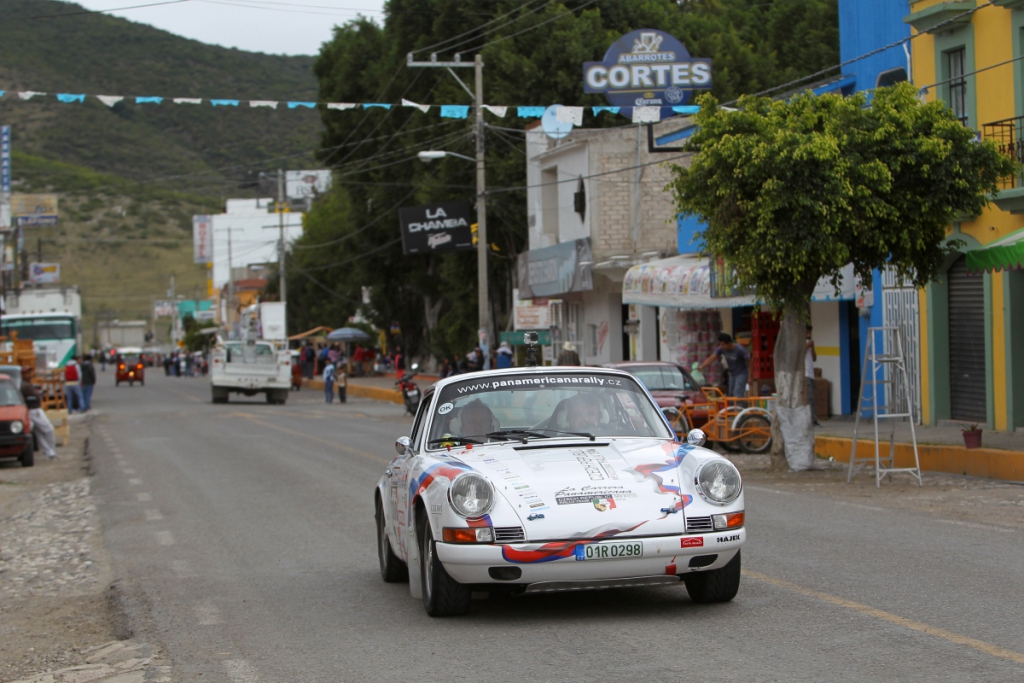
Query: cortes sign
647,68
436,228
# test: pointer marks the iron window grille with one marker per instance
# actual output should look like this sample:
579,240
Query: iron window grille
1007,134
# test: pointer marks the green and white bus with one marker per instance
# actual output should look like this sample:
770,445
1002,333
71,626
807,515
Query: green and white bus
56,336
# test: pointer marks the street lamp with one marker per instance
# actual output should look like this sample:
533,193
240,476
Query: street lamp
483,310
431,155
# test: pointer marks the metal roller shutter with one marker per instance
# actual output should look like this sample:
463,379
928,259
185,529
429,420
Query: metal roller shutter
968,399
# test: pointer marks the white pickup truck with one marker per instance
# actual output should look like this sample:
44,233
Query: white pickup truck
250,367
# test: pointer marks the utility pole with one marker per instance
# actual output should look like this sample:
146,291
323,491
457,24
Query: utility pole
483,291
280,222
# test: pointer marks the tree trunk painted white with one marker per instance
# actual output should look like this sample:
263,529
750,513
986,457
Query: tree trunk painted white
792,430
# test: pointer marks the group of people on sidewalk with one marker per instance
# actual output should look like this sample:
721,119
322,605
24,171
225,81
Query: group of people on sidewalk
79,383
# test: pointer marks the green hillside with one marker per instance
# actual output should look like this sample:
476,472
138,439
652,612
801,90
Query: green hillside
130,177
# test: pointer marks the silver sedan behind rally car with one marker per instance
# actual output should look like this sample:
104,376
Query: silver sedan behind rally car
552,479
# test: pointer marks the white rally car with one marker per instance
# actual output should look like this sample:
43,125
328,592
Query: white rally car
551,479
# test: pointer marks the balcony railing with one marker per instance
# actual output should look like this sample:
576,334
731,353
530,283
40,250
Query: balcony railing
1008,135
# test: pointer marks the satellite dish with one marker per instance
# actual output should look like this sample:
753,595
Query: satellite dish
552,126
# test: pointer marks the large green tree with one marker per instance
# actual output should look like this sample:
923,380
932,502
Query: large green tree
351,237
793,191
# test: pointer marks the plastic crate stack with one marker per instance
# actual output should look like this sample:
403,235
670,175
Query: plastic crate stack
763,331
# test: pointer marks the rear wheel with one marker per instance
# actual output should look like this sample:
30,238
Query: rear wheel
392,569
28,455
759,441
443,596
117,382
717,585
680,425
220,395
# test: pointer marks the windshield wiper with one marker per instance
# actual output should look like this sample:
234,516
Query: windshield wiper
509,434
452,440
587,435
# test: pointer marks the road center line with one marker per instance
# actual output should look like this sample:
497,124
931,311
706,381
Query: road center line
762,488
153,516
134,482
974,643
143,497
164,538
332,444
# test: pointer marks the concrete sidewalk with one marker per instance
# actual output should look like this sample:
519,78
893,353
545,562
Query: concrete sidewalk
383,388
841,426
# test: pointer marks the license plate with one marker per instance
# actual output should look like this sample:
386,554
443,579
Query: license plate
610,551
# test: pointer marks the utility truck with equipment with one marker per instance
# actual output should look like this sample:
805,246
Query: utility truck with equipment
254,364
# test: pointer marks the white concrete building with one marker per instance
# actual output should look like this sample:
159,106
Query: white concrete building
254,235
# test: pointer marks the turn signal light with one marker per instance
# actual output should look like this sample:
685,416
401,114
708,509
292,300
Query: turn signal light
471,535
730,520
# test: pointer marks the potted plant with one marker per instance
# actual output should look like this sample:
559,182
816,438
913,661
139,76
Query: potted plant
972,436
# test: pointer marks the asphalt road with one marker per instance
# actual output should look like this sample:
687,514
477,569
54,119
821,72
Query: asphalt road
243,539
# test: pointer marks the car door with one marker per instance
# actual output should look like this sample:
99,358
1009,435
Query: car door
397,513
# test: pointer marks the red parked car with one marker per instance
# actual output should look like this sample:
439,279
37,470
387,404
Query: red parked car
15,427
669,383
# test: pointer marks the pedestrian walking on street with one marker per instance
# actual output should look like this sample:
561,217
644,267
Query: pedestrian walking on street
504,359
329,383
568,356
736,358
88,382
810,356
42,428
308,360
341,379
73,386
357,360
103,362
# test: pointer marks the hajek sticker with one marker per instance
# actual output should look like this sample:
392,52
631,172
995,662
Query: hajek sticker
445,408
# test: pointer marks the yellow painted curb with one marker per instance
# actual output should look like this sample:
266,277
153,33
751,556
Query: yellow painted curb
990,463
360,390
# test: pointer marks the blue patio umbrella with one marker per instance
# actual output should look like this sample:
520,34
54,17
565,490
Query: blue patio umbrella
347,334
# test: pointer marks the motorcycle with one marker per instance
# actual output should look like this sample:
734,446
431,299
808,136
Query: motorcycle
410,392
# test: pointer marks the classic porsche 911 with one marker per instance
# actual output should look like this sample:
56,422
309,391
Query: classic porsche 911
551,479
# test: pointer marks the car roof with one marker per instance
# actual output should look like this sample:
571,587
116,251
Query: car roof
542,369
634,363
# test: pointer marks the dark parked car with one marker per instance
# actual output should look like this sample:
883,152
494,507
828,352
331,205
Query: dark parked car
669,383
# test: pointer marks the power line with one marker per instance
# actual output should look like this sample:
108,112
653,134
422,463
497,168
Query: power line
568,12
476,28
104,11
354,258
498,28
360,230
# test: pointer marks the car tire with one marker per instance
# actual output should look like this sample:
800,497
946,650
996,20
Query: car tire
220,395
28,455
717,585
117,382
392,569
677,419
443,596
755,446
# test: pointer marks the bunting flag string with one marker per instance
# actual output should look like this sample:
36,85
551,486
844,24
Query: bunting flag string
573,115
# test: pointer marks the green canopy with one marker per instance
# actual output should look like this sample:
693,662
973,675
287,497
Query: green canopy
1006,253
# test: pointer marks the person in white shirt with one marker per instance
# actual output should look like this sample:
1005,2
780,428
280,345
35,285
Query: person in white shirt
809,358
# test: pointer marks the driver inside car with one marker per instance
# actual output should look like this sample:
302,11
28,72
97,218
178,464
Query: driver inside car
584,413
477,420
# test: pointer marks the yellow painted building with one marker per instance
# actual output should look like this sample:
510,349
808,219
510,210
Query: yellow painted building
971,55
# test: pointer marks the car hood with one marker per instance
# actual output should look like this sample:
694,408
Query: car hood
605,488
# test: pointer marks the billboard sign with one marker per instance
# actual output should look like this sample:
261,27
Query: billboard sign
44,273
202,239
555,270
164,309
647,68
306,184
34,209
5,159
436,228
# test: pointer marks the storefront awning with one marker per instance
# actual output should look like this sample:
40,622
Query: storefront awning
676,282
685,282
1006,253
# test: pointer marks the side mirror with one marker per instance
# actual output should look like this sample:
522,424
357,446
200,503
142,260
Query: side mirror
402,445
696,437
415,366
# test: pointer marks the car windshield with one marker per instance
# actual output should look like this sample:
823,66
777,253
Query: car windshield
662,377
130,359
9,394
39,328
548,405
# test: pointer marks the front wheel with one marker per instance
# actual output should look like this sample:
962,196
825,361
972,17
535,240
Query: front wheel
28,455
443,596
717,585
759,440
392,569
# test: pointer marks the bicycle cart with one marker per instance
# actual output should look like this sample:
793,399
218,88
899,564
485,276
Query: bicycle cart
735,423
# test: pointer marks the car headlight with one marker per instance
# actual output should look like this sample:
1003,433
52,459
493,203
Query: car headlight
471,495
17,427
718,481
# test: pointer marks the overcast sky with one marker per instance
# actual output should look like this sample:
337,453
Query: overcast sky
291,27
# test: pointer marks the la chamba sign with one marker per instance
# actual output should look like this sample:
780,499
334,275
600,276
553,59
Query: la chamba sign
647,68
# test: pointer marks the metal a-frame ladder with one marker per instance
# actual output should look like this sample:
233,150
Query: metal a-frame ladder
884,358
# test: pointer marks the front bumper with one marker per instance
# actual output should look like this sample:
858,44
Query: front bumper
556,561
13,444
